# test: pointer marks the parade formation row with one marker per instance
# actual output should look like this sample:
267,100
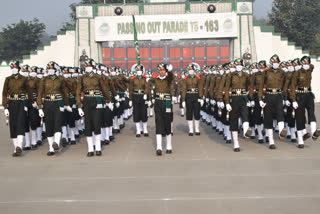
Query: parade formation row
61,103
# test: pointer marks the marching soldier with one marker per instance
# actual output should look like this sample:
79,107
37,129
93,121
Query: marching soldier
273,82
15,94
91,94
164,92
236,103
192,93
255,83
139,96
303,98
34,118
52,100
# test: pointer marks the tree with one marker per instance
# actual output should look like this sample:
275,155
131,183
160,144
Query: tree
298,20
19,39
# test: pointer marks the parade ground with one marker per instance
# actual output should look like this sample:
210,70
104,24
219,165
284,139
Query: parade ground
202,175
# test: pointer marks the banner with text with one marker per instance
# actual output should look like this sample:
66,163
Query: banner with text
182,26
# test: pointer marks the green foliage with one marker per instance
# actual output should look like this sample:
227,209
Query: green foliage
19,39
298,20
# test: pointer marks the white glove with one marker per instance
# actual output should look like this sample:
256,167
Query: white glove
110,106
174,99
213,102
68,108
149,103
228,106
130,103
207,100
81,113
41,114
221,105
249,104
117,105
153,101
252,104
262,104
145,97
288,103
295,105
183,104
117,98
34,105
6,112
201,102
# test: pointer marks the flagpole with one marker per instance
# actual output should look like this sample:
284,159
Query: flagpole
135,36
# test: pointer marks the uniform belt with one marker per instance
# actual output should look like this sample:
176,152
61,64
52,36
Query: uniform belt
138,91
273,90
93,93
163,96
34,95
304,90
71,95
192,90
239,92
18,97
53,97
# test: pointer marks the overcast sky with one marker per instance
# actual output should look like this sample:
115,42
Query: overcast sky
53,13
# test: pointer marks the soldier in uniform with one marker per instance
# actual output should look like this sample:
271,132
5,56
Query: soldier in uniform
91,95
52,99
192,93
273,82
180,83
237,84
15,94
255,82
164,97
139,98
34,118
303,98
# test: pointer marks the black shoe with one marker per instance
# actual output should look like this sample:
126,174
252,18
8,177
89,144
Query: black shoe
146,134
283,134
77,136
300,146
64,142
316,134
111,138
208,123
18,151
236,149
263,132
224,138
267,139
272,146
138,135
197,133
190,134
256,132
306,136
276,131
15,155
228,141
159,152
293,140
220,132
55,146
26,148
288,136
261,141
69,139
121,126
107,142
248,133
252,137
168,151
214,127
80,132
103,142
217,130
39,142
73,142
90,154
182,115
34,146
51,153
98,153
